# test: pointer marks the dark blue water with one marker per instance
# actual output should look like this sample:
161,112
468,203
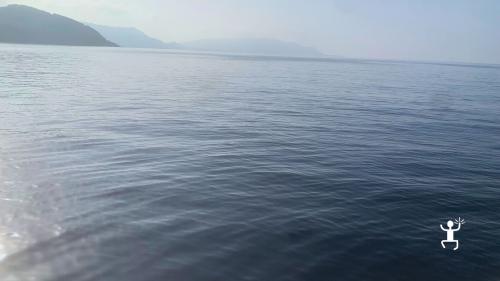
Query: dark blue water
141,165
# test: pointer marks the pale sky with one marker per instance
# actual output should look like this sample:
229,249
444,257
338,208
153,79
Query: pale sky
434,30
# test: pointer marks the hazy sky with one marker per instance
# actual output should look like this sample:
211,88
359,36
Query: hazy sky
443,30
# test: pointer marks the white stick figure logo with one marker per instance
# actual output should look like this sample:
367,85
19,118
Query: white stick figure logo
450,232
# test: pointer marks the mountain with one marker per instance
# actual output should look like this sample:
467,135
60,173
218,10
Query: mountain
25,25
253,46
131,37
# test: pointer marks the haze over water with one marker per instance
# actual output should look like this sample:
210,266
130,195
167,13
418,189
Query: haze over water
120,164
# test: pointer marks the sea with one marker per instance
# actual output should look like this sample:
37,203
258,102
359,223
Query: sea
144,165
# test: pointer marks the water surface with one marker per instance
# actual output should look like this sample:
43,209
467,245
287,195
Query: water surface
120,164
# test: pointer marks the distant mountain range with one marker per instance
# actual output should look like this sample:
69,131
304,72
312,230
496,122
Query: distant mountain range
253,46
134,38
130,37
25,25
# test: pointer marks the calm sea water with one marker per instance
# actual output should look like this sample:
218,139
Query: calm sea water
133,165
